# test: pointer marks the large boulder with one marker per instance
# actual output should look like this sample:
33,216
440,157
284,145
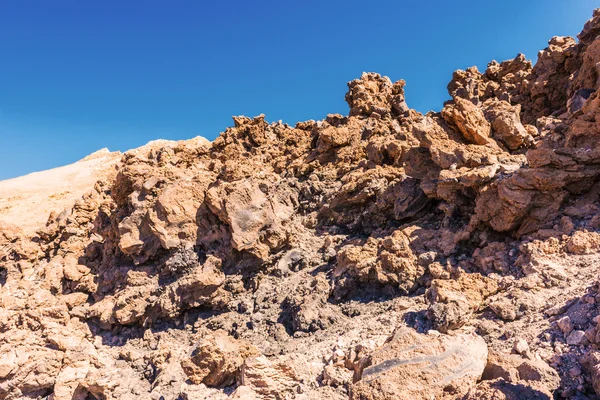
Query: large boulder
411,365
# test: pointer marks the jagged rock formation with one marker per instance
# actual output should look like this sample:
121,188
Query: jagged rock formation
384,254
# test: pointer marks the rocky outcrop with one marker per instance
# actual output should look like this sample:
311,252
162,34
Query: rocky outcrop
216,361
373,93
276,261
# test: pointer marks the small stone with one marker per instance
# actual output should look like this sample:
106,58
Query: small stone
338,356
590,334
521,346
505,309
555,360
155,395
567,393
576,337
575,372
80,312
74,272
554,310
438,271
336,376
427,258
565,325
75,299
150,183
558,349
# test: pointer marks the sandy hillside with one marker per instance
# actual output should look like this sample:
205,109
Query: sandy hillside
27,201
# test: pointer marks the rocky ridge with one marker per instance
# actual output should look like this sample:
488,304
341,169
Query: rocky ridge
381,255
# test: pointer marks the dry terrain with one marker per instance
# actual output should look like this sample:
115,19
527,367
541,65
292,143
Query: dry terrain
27,201
379,255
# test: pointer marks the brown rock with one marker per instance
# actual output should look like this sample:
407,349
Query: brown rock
453,301
500,389
516,370
250,208
269,380
565,325
373,93
307,306
469,120
74,271
451,364
591,361
29,369
506,124
336,376
583,242
388,261
217,359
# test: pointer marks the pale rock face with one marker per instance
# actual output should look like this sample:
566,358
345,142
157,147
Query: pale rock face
40,194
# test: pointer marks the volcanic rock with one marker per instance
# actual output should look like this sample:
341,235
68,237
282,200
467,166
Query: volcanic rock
428,365
275,260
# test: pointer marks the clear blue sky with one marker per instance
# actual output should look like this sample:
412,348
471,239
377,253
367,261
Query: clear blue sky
76,76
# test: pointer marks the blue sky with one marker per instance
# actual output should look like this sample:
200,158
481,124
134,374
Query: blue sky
77,76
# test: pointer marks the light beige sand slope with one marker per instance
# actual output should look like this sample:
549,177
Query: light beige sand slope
27,201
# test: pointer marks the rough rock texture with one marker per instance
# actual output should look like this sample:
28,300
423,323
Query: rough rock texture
412,365
383,254
217,359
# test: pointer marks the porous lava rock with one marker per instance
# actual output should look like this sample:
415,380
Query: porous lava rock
278,261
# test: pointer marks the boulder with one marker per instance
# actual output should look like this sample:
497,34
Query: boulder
469,120
453,301
412,365
270,380
216,360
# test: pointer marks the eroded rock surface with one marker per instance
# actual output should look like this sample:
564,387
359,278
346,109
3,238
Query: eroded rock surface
412,365
383,254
